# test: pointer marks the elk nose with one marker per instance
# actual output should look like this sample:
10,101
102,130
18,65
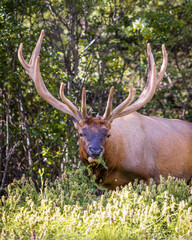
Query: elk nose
95,151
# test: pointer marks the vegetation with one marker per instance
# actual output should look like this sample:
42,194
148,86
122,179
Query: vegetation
68,209
95,44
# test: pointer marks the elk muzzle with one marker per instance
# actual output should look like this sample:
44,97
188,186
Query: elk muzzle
95,151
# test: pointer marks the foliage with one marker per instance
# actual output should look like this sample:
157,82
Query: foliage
95,44
67,209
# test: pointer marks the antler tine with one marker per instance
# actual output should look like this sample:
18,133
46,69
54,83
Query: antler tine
71,106
150,63
83,104
34,55
37,49
163,66
32,69
109,103
21,59
123,105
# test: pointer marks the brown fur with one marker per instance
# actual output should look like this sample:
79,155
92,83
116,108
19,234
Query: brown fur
140,147
94,122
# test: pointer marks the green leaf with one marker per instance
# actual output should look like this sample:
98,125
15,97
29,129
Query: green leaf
102,162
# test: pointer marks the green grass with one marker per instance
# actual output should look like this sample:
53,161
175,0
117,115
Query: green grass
69,209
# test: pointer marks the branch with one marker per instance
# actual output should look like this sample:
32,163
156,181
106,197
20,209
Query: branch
25,128
7,142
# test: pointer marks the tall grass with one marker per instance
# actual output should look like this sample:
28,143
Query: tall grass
69,209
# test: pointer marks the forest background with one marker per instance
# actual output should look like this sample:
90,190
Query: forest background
93,44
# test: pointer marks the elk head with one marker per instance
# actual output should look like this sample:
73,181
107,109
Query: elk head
93,132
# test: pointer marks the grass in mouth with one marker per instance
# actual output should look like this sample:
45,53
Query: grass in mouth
102,162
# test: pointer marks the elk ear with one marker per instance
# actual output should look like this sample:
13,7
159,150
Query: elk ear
76,122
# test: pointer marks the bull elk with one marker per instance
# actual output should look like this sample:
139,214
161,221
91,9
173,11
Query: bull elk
131,145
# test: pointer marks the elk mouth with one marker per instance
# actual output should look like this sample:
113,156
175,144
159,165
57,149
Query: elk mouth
93,161
95,155
99,161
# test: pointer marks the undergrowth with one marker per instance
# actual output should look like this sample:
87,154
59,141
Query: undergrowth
69,209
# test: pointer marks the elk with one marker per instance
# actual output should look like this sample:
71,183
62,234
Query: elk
133,146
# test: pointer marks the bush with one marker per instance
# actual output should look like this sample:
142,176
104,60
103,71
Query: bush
67,209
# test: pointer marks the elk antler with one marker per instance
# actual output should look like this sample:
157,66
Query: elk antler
152,82
32,69
109,104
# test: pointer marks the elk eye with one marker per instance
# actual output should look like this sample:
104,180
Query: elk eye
108,135
80,135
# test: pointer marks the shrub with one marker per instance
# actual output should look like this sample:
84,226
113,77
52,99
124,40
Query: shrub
69,209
